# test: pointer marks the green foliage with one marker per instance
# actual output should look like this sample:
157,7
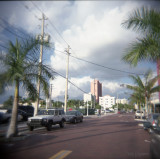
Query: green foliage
97,106
8,103
143,89
74,103
124,106
57,104
147,22
21,63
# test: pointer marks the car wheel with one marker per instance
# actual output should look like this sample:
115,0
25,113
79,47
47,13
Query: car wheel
31,128
81,120
49,126
62,124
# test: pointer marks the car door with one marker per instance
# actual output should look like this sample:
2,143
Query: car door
78,116
56,116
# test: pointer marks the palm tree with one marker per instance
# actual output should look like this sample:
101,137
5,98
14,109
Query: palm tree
144,89
146,22
21,70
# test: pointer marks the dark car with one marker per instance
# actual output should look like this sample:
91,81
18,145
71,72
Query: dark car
20,113
28,109
74,116
155,141
151,122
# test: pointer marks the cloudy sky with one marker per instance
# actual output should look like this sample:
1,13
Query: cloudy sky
94,33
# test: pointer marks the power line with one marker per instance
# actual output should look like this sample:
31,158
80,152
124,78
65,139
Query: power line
12,26
11,32
3,46
71,82
113,69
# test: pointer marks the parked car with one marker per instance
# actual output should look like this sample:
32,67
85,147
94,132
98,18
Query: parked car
5,117
151,122
47,118
74,116
28,109
139,113
155,141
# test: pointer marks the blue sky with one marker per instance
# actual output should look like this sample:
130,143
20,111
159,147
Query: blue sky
91,28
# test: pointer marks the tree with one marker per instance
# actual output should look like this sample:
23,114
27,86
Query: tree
143,90
8,103
21,63
147,22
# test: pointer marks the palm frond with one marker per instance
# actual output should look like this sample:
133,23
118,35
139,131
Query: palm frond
146,48
143,20
155,89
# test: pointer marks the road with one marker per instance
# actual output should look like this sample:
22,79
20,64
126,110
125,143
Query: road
109,137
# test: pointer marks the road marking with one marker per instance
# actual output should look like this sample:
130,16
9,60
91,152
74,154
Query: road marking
60,155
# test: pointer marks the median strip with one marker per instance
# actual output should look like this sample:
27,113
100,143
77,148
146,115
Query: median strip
60,155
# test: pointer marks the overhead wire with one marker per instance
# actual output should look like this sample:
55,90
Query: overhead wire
93,63
77,57
99,64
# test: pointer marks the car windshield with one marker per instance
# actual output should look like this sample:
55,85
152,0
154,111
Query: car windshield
46,112
71,113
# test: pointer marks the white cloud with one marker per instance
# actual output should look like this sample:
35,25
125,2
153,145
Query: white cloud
94,32
112,86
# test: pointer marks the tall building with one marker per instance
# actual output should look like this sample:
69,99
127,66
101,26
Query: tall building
106,101
96,89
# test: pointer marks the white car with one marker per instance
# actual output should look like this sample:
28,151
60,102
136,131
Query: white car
138,114
47,118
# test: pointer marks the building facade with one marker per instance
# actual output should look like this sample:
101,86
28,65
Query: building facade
96,89
88,97
107,101
122,101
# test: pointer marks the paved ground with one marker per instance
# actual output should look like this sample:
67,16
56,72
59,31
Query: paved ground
105,137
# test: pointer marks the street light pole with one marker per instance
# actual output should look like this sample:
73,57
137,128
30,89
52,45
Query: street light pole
87,108
66,92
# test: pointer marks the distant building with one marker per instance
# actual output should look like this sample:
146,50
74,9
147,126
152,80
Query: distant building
122,101
106,101
87,97
96,89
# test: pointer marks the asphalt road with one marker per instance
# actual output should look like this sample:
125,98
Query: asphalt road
107,137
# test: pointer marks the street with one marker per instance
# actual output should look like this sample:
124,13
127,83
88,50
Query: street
116,136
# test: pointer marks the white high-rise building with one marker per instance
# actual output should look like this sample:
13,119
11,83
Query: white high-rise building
107,101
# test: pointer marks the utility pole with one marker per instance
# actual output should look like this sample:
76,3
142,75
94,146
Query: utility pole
40,64
117,102
66,92
94,94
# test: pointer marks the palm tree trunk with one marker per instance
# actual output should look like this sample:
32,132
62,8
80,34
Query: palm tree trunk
13,130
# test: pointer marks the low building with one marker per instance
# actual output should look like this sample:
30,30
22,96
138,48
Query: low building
122,101
106,101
